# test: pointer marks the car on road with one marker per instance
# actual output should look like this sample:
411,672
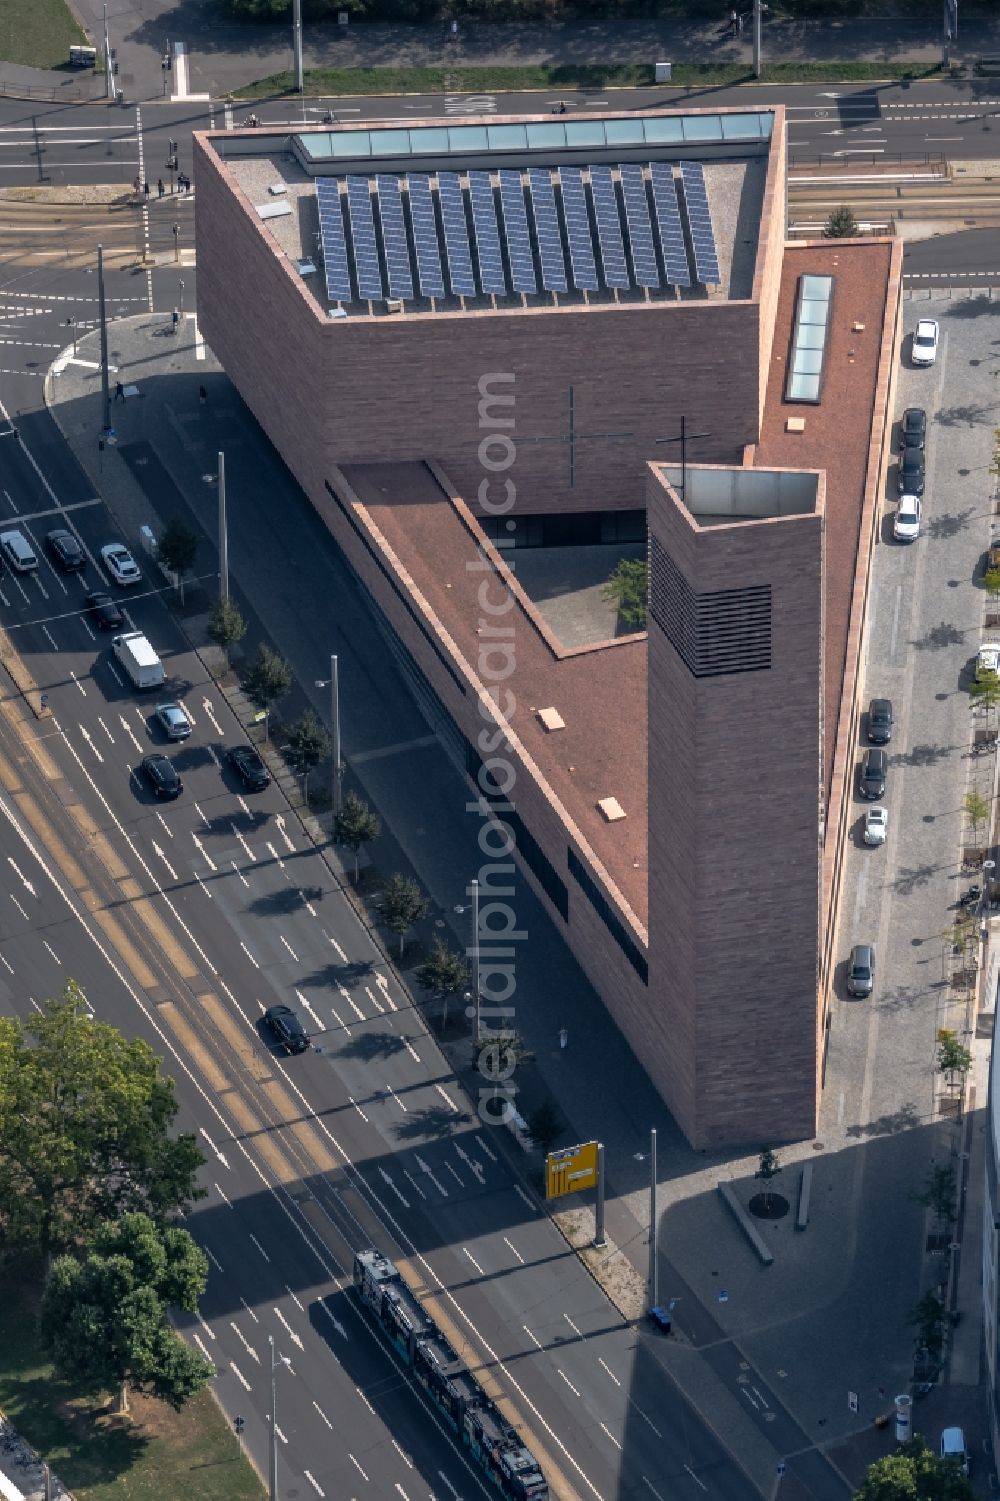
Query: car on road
880,721
861,970
66,550
925,342
953,1448
161,774
992,560
876,825
120,564
174,721
103,610
988,659
249,767
18,551
910,472
913,428
287,1028
906,523
874,768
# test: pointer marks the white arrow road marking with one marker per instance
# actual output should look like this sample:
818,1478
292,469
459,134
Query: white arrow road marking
215,1149
203,852
414,1184
240,1376
314,1483
279,820
130,732
475,1263
383,985
240,874
23,878
86,735
334,1321
323,1415
77,682
760,1396
753,1402
399,1196
288,946
163,821
104,727
287,1328
239,836
476,1167
422,1165
158,851
248,1347
206,704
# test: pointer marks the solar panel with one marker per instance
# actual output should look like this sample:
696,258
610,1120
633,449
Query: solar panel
581,246
706,256
331,229
668,219
640,231
397,253
359,202
484,217
515,219
456,235
609,227
425,237
550,249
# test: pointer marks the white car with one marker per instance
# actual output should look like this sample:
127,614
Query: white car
988,659
906,525
876,825
953,1448
925,342
120,564
18,551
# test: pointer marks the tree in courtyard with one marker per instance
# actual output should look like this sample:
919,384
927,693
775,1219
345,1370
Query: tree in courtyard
545,1126
85,1121
953,1056
402,906
104,1319
928,1317
977,811
226,625
938,1195
355,825
841,225
309,744
626,589
444,973
176,549
985,692
268,679
914,1473
991,582
768,1170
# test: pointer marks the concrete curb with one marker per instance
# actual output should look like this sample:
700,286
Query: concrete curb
745,1223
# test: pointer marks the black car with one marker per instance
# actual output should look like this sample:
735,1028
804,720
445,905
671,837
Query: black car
249,767
874,766
104,611
162,776
66,551
913,432
910,473
287,1028
880,721
861,970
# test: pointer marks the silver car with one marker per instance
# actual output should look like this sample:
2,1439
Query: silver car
174,721
18,551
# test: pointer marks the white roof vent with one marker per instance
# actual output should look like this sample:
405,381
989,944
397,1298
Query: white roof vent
551,719
393,305
338,312
276,189
305,267
611,809
273,210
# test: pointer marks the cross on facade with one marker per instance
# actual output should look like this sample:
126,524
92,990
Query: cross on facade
684,438
572,437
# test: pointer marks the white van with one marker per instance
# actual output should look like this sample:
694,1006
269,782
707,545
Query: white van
144,668
953,1447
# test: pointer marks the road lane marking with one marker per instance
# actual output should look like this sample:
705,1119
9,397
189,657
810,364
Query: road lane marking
475,1263
77,682
259,1247
288,946
513,1249
46,944
240,1376
350,1455
358,1108
608,1369
20,909
249,955
247,885
575,1330
248,1347
403,1455
611,1436
163,821
562,1373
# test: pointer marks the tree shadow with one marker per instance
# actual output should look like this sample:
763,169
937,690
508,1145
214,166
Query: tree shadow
278,903
436,1120
967,416
943,528
347,974
370,1047
910,880
940,636
906,1118
921,755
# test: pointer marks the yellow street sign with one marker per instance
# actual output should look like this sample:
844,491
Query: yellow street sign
571,1170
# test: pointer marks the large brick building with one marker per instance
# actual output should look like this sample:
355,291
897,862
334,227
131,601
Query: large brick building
611,282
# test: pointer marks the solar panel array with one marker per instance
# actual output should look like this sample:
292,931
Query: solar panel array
581,246
640,230
359,202
456,235
331,229
550,246
484,217
515,221
609,228
668,219
425,238
397,252
706,257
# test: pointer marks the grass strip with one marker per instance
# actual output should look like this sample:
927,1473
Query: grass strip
38,33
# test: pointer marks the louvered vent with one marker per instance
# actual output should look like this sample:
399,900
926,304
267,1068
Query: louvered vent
714,634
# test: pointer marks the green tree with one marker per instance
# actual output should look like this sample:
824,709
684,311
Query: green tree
268,679
309,744
985,691
85,1120
626,589
953,1056
928,1317
444,973
545,1126
498,1052
226,625
176,549
104,1319
914,1473
977,811
769,1169
356,825
841,225
938,1194
991,581
402,906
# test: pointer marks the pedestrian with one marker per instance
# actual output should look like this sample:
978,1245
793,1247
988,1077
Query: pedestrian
145,188
119,391
202,395
733,21
739,25
137,185
563,1038
160,189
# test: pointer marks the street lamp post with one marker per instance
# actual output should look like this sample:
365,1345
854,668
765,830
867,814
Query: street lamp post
181,286
103,315
333,683
273,1453
984,900
477,998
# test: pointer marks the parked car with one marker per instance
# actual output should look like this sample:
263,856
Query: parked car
988,659
953,1448
876,825
161,774
913,428
174,721
18,551
861,970
120,564
103,610
925,342
992,556
910,472
66,550
249,767
906,525
880,721
287,1028
874,768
